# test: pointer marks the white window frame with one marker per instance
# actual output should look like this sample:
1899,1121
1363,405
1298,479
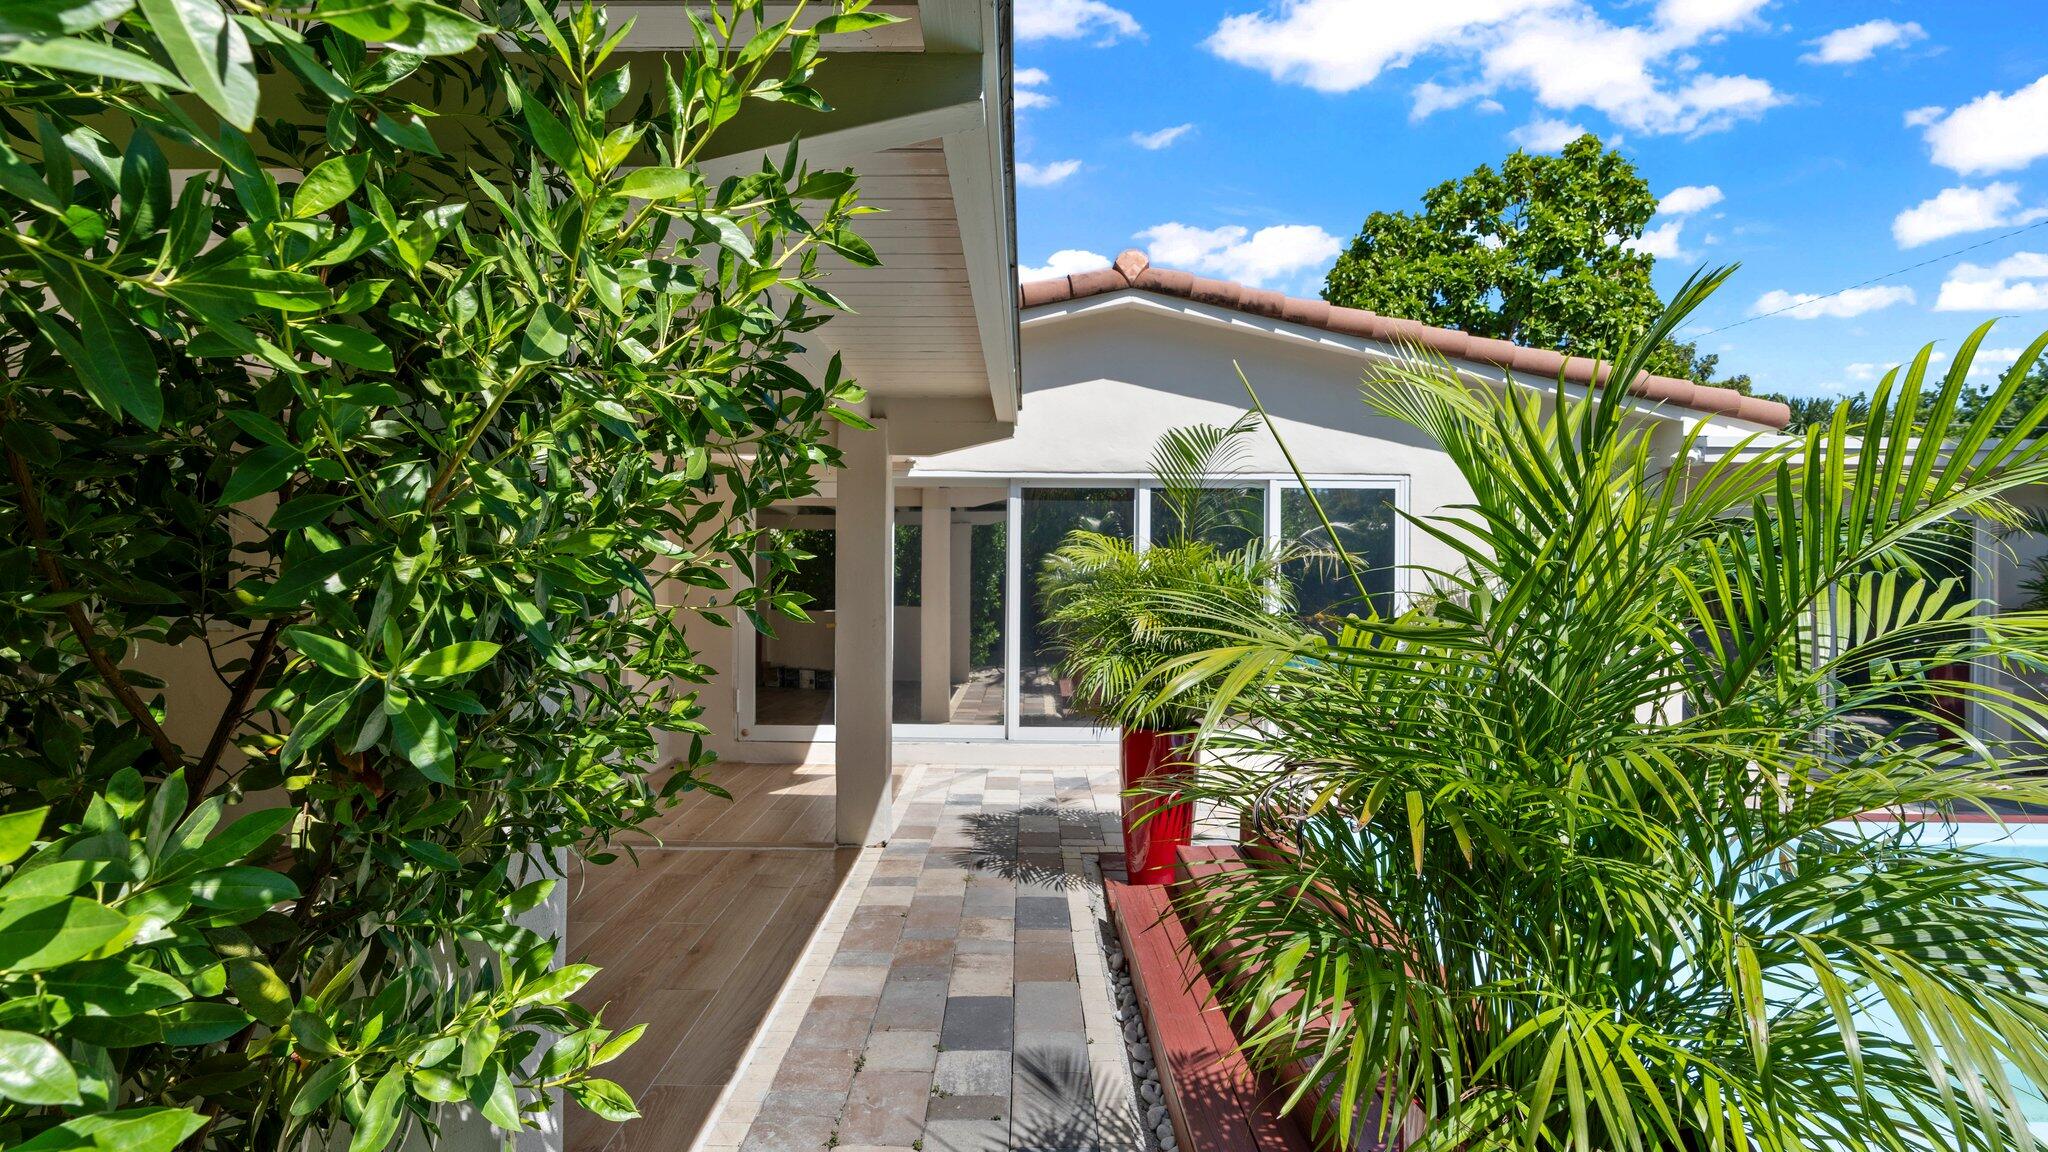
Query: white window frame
1012,729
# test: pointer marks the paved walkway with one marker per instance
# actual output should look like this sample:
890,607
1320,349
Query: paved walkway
955,998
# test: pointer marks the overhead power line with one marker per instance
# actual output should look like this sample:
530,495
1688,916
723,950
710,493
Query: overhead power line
2043,223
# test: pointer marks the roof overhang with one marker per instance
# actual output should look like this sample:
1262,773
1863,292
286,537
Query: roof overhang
922,110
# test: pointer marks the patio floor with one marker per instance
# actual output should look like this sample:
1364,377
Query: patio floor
943,991
956,999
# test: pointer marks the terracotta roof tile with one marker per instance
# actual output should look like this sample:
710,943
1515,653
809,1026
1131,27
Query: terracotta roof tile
1133,270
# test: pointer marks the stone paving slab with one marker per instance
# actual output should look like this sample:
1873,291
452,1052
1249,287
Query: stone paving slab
962,1004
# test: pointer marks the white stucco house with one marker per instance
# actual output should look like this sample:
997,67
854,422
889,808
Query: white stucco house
925,645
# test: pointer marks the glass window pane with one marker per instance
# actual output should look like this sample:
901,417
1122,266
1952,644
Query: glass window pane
1229,518
1364,520
973,688
1044,698
793,668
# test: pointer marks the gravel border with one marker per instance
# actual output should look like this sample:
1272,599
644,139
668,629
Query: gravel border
1157,1126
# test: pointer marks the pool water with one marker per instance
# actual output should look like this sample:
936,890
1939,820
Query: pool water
2015,841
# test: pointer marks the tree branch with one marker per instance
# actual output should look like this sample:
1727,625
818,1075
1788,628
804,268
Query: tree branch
238,702
53,574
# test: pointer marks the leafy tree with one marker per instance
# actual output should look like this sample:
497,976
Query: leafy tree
1630,836
407,443
1535,252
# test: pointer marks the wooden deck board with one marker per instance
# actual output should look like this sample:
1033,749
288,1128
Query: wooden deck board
697,936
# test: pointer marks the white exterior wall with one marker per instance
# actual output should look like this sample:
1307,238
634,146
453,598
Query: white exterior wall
1103,379
1101,388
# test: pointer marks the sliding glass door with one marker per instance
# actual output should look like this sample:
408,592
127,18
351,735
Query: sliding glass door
1046,515
973,655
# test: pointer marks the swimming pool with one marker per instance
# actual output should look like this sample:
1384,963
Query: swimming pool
2018,841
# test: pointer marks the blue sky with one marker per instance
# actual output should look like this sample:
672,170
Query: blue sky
1817,143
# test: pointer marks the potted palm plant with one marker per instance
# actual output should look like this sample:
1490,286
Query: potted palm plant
1120,611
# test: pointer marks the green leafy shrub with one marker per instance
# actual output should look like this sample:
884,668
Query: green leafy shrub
1564,855
405,448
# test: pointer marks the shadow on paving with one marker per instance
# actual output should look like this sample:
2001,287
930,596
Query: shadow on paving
1002,846
1056,1109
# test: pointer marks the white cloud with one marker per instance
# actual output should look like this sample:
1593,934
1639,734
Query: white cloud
1027,88
1993,133
1691,198
1164,138
1953,211
1645,76
1544,134
1282,252
1339,46
1864,372
1660,242
1045,175
1859,42
1923,116
1841,305
2018,283
1992,362
1073,20
1064,262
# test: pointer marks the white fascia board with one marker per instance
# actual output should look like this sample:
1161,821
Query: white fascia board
979,167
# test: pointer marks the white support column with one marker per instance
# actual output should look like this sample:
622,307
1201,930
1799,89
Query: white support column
864,638
962,647
935,627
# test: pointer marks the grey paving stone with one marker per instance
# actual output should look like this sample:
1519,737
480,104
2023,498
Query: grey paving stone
802,1102
866,980
1048,1006
977,1023
1041,913
913,1050
788,1132
984,1073
987,1108
967,1136
1052,1093
885,1107
912,1005
836,1022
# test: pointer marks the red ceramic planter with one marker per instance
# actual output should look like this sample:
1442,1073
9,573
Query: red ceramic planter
1156,826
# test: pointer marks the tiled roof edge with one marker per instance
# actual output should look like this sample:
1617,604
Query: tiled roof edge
1133,269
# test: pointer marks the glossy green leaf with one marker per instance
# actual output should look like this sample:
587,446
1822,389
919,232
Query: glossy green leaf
260,471
661,183
115,987
33,1071
453,660
328,184
112,353
202,1022
331,654
210,52
604,1099
380,1114
44,932
348,345
18,831
240,887
131,1130
91,58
